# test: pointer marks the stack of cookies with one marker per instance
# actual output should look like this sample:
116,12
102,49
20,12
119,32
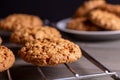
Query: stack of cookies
96,15
41,45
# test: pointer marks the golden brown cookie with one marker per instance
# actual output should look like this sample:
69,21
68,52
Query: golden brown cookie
6,58
88,6
112,8
18,21
0,40
47,52
105,19
23,35
82,24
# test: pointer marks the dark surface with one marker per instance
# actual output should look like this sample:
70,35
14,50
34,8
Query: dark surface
53,10
46,9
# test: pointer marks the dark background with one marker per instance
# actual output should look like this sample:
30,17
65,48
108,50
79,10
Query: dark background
54,10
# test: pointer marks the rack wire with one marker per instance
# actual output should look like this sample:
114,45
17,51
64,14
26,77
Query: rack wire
76,76
9,75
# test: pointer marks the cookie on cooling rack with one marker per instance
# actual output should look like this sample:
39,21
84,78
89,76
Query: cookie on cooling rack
48,52
105,19
18,21
0,40
23,35
6,58
82,24
88,6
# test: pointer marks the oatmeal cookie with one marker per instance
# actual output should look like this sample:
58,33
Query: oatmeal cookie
23,35
14,21
0,40
88,6
105,19
112,8
82,24
6,58
48,52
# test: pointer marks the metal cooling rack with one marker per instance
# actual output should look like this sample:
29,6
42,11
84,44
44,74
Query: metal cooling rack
76,76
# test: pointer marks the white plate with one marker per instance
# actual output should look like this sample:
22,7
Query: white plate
87,35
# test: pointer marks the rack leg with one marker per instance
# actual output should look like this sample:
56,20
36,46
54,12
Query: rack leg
9,75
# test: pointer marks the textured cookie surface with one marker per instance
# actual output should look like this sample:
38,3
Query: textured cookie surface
47,52
88,6
6,58
23,35
82,24
105,19
18,21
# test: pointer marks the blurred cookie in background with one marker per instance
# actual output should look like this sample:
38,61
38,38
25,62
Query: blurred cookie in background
88,6
21,36
12,22
0,40
82,24
104,19
112,8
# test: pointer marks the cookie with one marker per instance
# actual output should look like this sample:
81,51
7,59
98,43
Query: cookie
88,6
18,21
105,19
23,35
0,40
82,24
6,58
112,8
48,52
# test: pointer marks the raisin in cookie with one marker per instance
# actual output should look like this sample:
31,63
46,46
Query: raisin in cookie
82,24
18,21
88,6
6,58
23,35
48,52
105,19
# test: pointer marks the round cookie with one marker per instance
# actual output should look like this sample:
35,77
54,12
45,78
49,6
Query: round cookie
18,21
82,24
23,35
6,58
0,40
88,6
104,19
48,52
